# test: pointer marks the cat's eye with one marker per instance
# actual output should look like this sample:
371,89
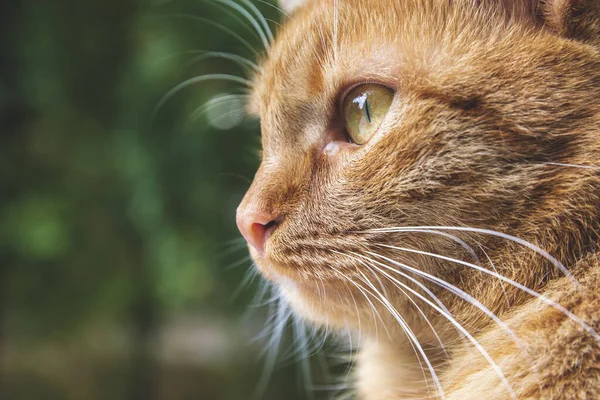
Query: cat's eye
364,108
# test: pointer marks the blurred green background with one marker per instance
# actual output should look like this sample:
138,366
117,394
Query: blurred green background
120,262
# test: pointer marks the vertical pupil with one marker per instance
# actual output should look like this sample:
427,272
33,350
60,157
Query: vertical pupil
368,110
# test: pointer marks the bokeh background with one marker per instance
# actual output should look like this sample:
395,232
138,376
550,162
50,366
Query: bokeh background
120,263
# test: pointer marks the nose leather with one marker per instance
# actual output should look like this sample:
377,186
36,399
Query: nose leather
255,226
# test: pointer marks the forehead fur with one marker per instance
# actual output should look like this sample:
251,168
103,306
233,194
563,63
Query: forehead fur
330,45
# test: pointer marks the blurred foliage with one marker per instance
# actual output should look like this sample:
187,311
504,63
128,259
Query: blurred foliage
117,219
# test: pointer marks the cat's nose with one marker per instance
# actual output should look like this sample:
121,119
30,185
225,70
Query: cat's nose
256,226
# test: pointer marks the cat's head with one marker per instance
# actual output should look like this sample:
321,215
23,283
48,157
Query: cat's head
410,113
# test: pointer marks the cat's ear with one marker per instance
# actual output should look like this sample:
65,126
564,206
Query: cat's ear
575,19
289,6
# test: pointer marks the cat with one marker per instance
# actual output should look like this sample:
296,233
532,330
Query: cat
430,180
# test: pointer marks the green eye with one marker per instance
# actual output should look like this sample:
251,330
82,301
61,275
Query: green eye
364,109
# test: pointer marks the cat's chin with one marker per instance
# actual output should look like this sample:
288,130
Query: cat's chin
308,304
314,300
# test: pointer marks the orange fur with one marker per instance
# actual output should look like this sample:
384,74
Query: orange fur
486,95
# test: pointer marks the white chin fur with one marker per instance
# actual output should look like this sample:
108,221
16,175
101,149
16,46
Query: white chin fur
318,312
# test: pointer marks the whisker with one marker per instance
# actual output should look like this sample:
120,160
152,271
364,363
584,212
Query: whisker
198,79
283,315
533,293
205,55
348,333
303,356
336,20
453,289
496,271
300,347
215,102
358,316
451,319
259,299
238,263
439,340
364,291
249,276
275,7
262,19
232,118
324,366
274,22
592,167
233,247
234,241
250,19
326,334
515,239
416,282
217,25
270,324
413,338
350,341
458,240
375,314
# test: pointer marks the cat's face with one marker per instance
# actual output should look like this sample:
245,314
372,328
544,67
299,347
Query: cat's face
479,106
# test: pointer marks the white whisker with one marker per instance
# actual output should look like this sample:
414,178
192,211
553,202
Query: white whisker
216,102
250,19
416,282
452,320
533,293
198,79
458,240
275,7
336,23
453,289
515,239
261,17
205,55
439,340
238,263
303,355
249,276
230,118
283,314
364,291
592,167
219,26
233,247
411,335
496,271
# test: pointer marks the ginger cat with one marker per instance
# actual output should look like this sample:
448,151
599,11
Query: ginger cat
430,180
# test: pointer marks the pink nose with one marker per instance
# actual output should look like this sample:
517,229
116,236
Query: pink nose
256,227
